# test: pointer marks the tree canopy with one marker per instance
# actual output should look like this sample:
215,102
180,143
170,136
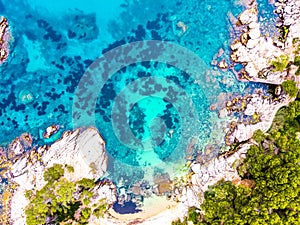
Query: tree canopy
273,165
290,88
61,201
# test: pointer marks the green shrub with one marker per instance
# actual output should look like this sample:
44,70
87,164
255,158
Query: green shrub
53,173
179,222
194,215
298,72
297,63
70,169
280,63
290,88
259,136
85,214
100,210
295,40
284,33
86,183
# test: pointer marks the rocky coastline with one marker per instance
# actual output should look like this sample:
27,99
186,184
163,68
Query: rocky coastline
84,148
256,53
4,39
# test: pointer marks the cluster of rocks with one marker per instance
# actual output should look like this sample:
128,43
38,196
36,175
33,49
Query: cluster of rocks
218,60
50,131
205,175
261,109
4,39
82,149
254,51
256,54
288,16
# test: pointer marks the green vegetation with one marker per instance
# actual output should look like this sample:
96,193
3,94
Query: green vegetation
284,32
297,63
295,40
61,201
283,61
296,45
54,173
270,189
70,169
290,88
280,63
193,215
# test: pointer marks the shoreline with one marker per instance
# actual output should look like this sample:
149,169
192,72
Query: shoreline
256,53
215,169
5,37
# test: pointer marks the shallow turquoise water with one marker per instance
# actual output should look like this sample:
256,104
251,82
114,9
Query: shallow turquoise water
149,113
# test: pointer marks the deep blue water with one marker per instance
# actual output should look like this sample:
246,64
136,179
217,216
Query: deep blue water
127,207
148,111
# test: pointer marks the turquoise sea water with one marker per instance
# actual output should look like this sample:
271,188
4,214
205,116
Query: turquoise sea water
152,114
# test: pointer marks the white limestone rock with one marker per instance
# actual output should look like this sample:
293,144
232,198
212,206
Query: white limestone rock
252,43
84,150
248,16
250,110
253,25
288,21
254,33
236,45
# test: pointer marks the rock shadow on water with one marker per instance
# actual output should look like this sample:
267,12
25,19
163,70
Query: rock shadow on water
126,208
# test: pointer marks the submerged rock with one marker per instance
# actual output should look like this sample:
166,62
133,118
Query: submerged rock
26,96
83,27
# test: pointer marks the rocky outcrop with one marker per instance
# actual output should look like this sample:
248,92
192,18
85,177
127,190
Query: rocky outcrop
259,111
204,175
208,174
4,39
288,16
256,53
84,150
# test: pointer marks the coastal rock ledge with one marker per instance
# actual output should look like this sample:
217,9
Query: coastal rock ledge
5,37
83,149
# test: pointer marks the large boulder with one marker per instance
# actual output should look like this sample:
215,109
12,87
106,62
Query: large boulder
248,16
84,150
